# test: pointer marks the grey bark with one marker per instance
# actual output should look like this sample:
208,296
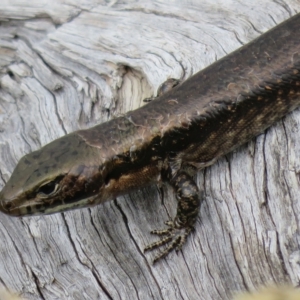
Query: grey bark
69,65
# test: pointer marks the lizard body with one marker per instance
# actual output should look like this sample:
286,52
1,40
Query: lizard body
191,126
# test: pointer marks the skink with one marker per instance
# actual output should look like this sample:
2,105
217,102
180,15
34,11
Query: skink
189,127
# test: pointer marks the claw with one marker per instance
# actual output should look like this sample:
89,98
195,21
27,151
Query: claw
158,243
167,250
162,232
174,235
170,223
183,238
169,230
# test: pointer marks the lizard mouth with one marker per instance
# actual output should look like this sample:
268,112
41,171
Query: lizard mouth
18,208
62,207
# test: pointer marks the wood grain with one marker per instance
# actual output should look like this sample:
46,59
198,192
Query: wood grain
68,65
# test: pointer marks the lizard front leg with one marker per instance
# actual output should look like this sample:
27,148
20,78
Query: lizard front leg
175,234
165,87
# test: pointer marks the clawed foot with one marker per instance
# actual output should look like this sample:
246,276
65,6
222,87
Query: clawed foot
174,234
164,88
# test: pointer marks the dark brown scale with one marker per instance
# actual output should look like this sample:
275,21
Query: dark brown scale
208,115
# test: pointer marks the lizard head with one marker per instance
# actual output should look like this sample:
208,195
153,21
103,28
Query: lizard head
81,169
63,175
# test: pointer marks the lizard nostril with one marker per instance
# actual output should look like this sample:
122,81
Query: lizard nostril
7,205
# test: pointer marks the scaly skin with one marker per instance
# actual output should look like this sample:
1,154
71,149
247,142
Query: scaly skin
208,115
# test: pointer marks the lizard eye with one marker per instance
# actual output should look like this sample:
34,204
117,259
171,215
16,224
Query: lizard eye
48,189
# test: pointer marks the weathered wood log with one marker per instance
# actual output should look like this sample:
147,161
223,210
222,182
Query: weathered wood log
67,66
